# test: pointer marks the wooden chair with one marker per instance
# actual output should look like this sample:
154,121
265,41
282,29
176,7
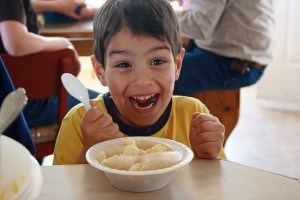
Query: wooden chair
40,74
224,104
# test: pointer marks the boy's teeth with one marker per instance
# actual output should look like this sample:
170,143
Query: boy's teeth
143,97
143,102
143,108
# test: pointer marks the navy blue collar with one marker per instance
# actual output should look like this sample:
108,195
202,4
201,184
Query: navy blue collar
136,131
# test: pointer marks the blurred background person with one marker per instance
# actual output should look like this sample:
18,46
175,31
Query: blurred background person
63,11
229,43
18,37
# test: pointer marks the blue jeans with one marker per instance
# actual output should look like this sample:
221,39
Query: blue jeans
56,17
44,111
203,70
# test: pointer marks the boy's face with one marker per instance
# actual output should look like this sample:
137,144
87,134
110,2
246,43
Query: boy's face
140,73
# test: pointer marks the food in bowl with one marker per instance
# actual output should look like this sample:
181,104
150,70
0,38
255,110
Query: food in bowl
10,186
137,180
140,155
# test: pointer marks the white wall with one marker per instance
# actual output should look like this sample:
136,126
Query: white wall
280,85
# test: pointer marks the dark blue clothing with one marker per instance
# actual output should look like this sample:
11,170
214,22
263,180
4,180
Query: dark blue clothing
18,130
203,70
44,111
56,17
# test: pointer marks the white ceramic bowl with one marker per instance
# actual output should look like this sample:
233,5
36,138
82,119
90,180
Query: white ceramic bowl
139,181
21,175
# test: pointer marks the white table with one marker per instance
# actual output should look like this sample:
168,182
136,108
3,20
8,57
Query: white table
201,179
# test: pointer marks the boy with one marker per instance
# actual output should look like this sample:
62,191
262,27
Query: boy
138,55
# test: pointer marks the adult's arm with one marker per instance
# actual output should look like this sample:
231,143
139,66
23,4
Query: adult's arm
201,19
66,7
18,41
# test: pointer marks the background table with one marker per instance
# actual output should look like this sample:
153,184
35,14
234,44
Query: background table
201,179
79,33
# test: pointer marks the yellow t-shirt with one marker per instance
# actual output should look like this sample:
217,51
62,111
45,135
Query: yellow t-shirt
69,143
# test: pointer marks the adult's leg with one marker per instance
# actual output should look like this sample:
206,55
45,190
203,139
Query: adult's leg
203,70
44,111
41,112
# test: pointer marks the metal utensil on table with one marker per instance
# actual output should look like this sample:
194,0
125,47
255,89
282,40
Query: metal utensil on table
76,89
11,107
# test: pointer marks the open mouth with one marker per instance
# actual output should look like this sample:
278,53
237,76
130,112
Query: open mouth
144,102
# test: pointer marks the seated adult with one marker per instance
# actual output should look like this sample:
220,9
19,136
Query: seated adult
63,11
19,36
229,43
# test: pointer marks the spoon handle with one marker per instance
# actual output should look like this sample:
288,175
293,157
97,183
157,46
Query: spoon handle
87,105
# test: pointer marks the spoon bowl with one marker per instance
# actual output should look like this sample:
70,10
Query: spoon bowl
76,89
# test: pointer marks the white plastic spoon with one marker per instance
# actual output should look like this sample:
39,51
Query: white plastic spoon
76,89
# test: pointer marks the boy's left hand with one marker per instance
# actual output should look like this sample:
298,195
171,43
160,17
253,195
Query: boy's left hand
206,135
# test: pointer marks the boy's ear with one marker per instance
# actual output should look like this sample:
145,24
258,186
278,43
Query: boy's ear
99,70
178,62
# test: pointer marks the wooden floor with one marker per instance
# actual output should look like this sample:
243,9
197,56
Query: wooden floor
264,138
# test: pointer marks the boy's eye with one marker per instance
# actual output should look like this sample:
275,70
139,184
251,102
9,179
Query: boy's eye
123,65
158,62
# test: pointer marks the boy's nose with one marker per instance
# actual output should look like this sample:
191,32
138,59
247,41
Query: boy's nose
143,76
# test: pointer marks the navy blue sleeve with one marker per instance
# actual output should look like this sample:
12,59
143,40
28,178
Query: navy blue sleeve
18,130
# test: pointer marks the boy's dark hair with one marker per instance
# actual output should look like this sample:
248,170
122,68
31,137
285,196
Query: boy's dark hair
154,18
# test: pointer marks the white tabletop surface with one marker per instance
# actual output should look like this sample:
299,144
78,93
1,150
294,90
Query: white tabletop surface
201,179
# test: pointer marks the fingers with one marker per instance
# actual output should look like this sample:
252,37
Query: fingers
97,126
193,141
202,117
206,122
92,115
206,135
71,8
92,103
209,150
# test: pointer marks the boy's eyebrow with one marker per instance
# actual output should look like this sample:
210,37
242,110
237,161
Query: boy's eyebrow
162,47
117,52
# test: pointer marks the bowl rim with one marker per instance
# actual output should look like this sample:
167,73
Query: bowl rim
187,156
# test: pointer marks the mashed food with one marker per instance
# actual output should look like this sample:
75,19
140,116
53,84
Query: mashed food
140,155
10,189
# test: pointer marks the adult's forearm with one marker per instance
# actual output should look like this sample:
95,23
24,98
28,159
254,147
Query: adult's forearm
42,6
18,41
36,43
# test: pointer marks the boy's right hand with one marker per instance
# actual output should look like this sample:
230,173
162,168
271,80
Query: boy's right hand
97,126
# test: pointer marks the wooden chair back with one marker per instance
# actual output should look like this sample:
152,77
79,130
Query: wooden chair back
224,104
40,75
